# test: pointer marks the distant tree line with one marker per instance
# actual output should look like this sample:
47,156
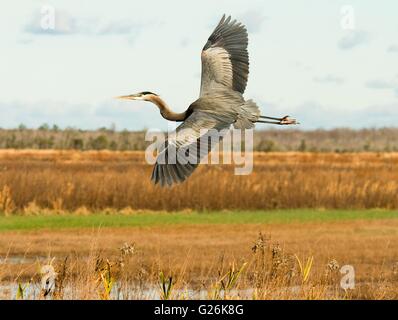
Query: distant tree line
335,140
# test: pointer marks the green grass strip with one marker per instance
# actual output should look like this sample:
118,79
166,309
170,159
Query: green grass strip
96,220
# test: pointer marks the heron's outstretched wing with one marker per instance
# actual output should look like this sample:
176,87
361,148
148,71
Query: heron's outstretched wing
225,59
183,150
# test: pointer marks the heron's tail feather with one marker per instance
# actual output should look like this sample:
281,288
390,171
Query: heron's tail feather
249,113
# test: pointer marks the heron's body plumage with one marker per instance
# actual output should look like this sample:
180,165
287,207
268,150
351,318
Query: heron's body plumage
225,71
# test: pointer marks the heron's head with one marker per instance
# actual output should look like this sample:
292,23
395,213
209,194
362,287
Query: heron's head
145,95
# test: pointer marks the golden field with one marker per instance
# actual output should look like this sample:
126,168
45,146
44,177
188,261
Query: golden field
283,232
202,261
98,180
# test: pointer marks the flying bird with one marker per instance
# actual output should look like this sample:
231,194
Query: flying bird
225,70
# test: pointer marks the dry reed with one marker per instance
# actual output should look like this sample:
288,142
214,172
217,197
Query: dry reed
31,181
268,271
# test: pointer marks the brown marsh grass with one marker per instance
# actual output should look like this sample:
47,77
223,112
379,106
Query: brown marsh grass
31,180
244,261
228,261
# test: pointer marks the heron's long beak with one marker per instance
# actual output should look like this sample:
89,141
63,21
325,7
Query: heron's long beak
129,97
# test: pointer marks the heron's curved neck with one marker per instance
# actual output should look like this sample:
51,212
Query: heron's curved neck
165,111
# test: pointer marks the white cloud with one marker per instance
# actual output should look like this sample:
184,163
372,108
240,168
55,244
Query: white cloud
329,79
253,20
353,39
132,116
293,54
383,85
393,48
313,115
66,24
379,84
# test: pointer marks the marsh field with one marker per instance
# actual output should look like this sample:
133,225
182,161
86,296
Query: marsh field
286,231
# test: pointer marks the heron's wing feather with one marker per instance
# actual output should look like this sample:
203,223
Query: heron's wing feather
183,150
225,59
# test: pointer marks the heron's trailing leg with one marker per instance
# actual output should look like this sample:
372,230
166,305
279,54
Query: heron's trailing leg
286,120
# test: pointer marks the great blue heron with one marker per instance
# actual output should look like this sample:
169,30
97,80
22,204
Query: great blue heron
225,69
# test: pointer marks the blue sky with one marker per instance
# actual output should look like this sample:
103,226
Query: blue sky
303,62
